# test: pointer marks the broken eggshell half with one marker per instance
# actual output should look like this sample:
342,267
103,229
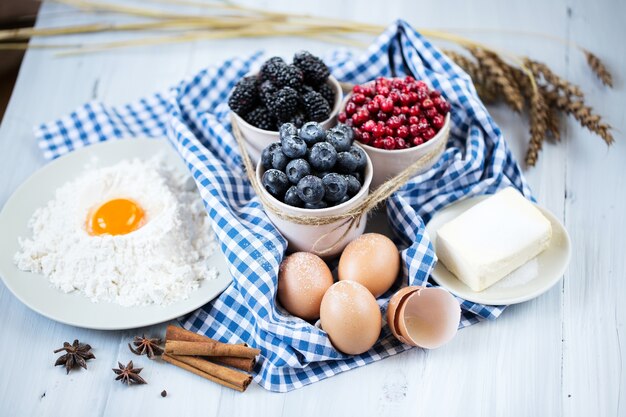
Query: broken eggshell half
395,302
424,317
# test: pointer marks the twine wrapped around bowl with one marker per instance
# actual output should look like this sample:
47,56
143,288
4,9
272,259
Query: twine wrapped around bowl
351,216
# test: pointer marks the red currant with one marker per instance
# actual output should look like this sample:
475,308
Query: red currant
394,122
389,143
438,121
427,104
373,106
387,106
428,134
358,98
350,108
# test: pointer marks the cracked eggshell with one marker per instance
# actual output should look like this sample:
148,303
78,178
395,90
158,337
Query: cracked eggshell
396,301
429,317
351,317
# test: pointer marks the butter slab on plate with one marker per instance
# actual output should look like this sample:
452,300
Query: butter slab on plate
528,281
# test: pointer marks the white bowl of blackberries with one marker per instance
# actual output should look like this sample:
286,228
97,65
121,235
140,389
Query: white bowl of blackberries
281,93
314,172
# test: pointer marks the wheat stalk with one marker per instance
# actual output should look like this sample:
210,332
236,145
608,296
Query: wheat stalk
520,82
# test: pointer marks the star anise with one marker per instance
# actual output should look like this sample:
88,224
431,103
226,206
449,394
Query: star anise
146,346
76,354
129,374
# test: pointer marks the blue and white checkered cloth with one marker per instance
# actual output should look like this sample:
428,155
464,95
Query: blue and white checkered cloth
194,116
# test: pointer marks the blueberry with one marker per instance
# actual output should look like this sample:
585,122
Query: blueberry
287,129
335,187
346,163
359,155
358,176
343,200
323,156
312,133
273,157
347,130
297,169
293,146
318,205
275,182
291,197
339,139
267,154
354,185
310,189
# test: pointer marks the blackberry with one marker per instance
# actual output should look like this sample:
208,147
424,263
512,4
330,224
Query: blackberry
298,120
261,118
266,91
305,89
315,106
270,68
328,93
288,76
314,70
244,97
284,104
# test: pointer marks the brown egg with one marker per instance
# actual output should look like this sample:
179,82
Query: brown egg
303,278
351,317
371,260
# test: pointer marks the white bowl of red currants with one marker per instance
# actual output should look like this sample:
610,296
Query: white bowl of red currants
397,121
284,93
314,172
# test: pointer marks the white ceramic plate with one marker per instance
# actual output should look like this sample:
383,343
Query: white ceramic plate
74,308
529,281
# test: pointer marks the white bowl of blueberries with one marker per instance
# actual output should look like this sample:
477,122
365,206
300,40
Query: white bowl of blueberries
315,172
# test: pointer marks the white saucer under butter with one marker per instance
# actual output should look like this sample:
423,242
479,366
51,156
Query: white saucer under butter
529,281
75,309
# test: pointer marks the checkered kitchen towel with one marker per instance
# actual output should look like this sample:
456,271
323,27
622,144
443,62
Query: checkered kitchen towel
194,116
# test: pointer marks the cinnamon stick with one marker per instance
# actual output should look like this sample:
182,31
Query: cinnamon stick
245,364
178,333
179,347
213,372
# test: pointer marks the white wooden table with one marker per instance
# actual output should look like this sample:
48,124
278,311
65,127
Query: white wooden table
557,355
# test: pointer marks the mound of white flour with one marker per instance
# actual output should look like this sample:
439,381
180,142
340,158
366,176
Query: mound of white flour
161,262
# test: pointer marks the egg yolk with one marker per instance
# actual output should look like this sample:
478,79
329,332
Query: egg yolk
116,217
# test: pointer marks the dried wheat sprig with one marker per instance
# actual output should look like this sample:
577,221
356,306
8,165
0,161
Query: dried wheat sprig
487,90
541,71
598,68
587,118
538,127
554,123
493,67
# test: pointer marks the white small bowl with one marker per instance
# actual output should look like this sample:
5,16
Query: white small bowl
389,163
257,139
318,239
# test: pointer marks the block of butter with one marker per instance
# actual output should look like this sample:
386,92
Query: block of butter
493,238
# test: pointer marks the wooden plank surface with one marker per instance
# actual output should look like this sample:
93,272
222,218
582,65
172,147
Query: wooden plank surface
556,355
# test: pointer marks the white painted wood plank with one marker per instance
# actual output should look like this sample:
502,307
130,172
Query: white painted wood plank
594,311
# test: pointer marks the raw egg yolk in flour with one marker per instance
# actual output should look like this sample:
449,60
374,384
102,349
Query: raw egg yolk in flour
115,217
